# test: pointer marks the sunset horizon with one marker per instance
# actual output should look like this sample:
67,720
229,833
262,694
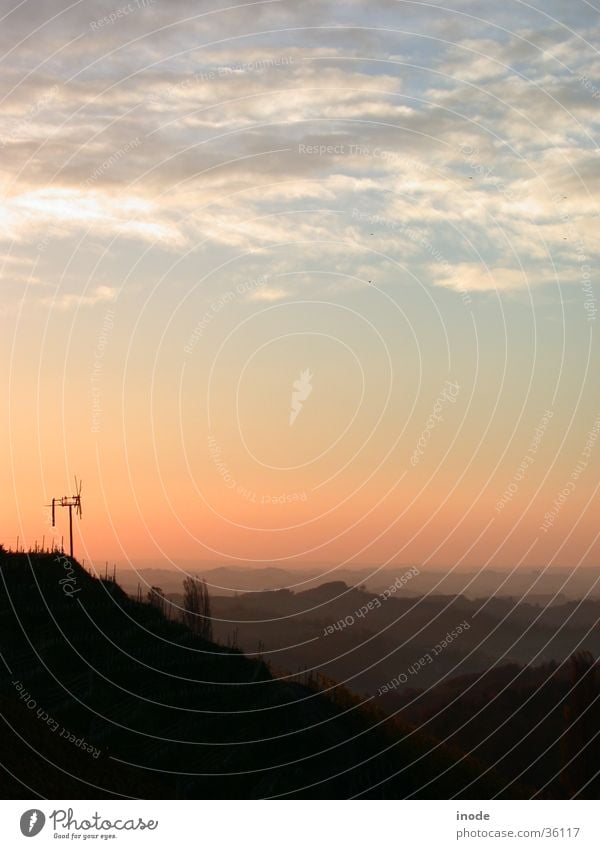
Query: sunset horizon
187,235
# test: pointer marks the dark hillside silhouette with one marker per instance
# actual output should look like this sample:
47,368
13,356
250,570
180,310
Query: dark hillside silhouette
537,725
170,714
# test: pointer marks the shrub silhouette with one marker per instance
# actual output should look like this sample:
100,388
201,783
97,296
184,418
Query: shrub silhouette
196,603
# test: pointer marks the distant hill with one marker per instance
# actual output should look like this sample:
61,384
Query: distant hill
363,639
101,696
230,580
535,586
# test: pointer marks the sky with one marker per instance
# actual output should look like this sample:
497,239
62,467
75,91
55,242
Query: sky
290,283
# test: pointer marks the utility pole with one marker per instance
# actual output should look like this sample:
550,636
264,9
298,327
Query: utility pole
70,502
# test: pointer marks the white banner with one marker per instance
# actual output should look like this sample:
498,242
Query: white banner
300,824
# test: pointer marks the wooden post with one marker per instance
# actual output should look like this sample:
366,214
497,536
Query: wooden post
71,530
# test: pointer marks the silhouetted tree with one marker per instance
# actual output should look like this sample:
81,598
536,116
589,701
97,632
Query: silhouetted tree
156,598
581,741
196,604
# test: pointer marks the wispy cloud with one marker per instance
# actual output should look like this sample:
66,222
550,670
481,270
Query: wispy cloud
73,300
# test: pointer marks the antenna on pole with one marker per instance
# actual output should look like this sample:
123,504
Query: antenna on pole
73,501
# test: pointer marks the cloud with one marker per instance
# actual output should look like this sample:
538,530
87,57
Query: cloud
475,277
71,300
176,128
267,293
68,211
